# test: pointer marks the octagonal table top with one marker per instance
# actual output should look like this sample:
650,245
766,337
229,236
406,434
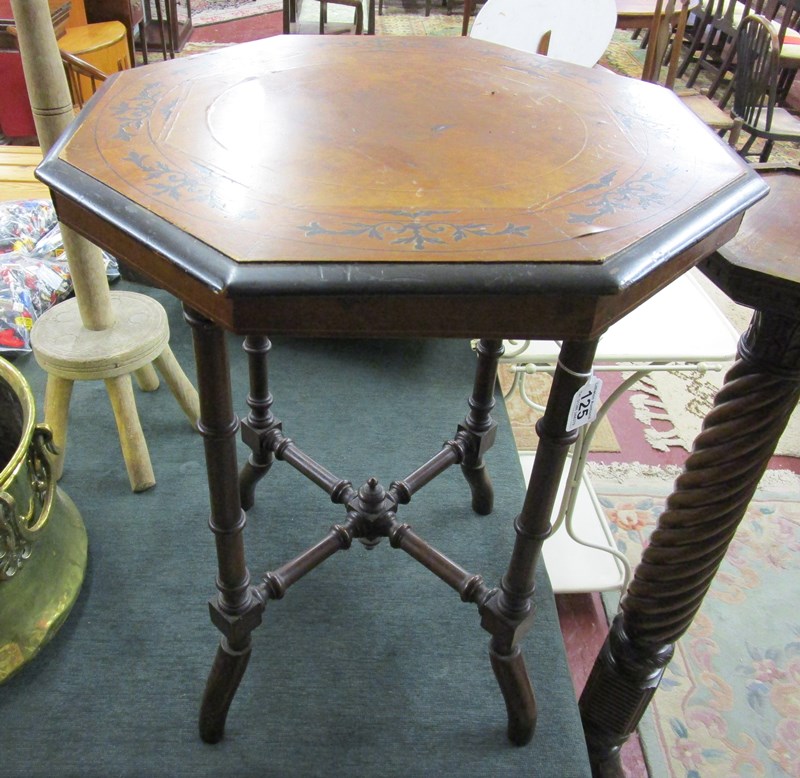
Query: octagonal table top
307,164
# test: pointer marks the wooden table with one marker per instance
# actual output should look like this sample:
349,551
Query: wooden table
759,268
530,198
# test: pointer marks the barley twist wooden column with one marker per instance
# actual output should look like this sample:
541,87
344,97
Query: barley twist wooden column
702,514
98,335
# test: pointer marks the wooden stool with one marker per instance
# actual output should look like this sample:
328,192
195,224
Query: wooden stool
69,352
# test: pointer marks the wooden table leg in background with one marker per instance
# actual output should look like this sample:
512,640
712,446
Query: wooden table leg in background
703,512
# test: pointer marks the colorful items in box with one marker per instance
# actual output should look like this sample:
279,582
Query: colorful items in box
34,274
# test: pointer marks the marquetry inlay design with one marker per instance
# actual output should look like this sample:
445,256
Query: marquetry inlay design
636,194
415,228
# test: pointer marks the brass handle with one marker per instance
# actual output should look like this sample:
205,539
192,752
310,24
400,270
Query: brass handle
17,532
41,477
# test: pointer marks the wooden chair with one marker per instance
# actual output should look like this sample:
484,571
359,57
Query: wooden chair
660,35
784,18
714,31
355,4
83,79
714,40
755,88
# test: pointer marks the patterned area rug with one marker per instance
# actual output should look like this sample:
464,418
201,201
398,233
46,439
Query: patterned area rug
404,17
729,703
672,407
205,12
523,417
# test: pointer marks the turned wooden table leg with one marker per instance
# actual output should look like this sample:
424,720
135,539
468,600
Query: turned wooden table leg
236,610
702,514
480,426
508,615
259,420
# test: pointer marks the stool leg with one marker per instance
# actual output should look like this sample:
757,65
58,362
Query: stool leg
480,426
180,386
146,378
508,615
131,436
56,413
143,37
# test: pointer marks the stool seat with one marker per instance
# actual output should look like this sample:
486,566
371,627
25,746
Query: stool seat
64,347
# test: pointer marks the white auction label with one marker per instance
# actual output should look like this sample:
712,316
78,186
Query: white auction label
585,404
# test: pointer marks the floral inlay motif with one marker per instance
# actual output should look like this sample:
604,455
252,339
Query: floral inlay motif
417,229
180,185
132,114
640,194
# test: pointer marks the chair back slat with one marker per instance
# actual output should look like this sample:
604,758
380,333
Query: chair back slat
757,70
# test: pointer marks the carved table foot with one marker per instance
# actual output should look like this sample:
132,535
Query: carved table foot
515,685
223,681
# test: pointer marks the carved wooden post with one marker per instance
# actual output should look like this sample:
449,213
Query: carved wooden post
703,512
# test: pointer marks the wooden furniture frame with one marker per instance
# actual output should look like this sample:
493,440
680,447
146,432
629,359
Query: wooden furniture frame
406,233
130,13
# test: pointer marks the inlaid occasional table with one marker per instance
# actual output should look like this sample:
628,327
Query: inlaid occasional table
325,186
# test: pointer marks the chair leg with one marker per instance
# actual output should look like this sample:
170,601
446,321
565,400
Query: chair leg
766,151
143,37
469,6
736,130
359,20
747,146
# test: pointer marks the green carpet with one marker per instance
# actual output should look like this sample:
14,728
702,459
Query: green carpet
369,667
